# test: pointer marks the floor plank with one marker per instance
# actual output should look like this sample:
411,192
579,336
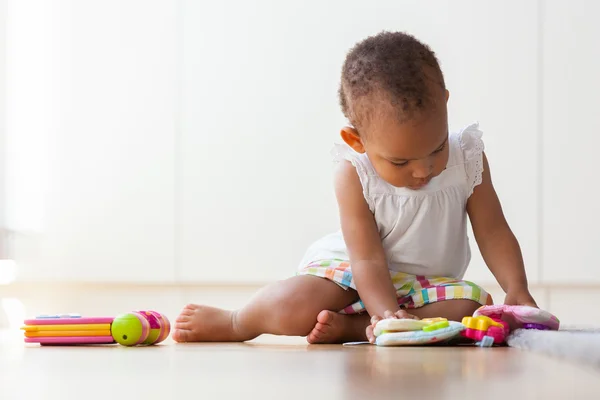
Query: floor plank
284,368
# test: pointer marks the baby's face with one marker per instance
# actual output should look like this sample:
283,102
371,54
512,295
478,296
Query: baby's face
409,154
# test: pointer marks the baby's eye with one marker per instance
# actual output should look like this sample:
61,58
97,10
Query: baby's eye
442,147
402,164
439,150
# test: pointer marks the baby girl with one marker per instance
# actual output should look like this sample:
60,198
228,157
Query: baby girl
405,186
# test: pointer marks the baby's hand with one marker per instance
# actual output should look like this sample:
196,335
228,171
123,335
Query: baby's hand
400,314
520,297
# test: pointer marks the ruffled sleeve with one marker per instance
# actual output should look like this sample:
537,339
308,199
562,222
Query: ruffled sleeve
341,152
472,148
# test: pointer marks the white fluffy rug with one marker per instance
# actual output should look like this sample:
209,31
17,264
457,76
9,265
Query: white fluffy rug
571,344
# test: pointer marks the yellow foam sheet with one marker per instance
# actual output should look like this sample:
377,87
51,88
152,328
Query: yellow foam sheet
67,333
71,327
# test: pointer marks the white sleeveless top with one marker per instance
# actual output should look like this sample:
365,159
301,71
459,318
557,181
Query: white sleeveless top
423,232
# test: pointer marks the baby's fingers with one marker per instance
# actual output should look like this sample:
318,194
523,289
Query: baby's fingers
370,334
403,314
375,319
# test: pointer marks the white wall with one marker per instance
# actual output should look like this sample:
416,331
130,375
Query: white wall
571,96
3,246
90,139
189,141
260,114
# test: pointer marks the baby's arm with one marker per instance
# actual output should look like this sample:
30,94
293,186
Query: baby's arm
497,243
367,257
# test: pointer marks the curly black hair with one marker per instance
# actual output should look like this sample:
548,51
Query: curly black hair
392,68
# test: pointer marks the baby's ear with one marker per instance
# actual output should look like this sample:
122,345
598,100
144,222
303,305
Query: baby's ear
352,139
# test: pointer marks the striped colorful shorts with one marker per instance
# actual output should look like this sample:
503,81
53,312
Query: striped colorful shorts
412,291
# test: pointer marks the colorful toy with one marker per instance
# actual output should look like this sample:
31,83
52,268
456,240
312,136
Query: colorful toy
477,328
402,332
129,329
521,317
497,321
160,327
489,325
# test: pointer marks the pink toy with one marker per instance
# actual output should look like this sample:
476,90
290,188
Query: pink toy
128,329
520,317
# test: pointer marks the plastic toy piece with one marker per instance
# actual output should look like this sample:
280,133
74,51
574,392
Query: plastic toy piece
406,324
398,325
45,316
68,320
66,327
479,327
129,329
32,334
436,325
487,341
71,340
520,317
536,326
159,327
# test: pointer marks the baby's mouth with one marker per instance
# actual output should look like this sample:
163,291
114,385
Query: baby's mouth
420,184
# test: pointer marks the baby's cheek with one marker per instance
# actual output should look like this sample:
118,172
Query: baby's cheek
395,176
441,162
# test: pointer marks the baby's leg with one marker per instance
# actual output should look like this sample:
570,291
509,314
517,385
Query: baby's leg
288,307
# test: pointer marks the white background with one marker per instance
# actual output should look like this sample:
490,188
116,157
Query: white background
188,141
3,244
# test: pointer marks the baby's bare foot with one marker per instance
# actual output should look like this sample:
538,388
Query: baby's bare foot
206,324
332,327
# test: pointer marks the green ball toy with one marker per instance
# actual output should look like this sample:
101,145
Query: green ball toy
130,329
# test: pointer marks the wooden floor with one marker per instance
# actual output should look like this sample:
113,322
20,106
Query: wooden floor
284,368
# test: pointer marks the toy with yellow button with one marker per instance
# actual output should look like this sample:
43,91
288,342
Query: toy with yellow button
489,325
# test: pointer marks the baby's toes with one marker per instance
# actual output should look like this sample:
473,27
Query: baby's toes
181,335
183,318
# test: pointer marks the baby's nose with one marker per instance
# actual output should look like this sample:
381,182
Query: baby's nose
422,169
